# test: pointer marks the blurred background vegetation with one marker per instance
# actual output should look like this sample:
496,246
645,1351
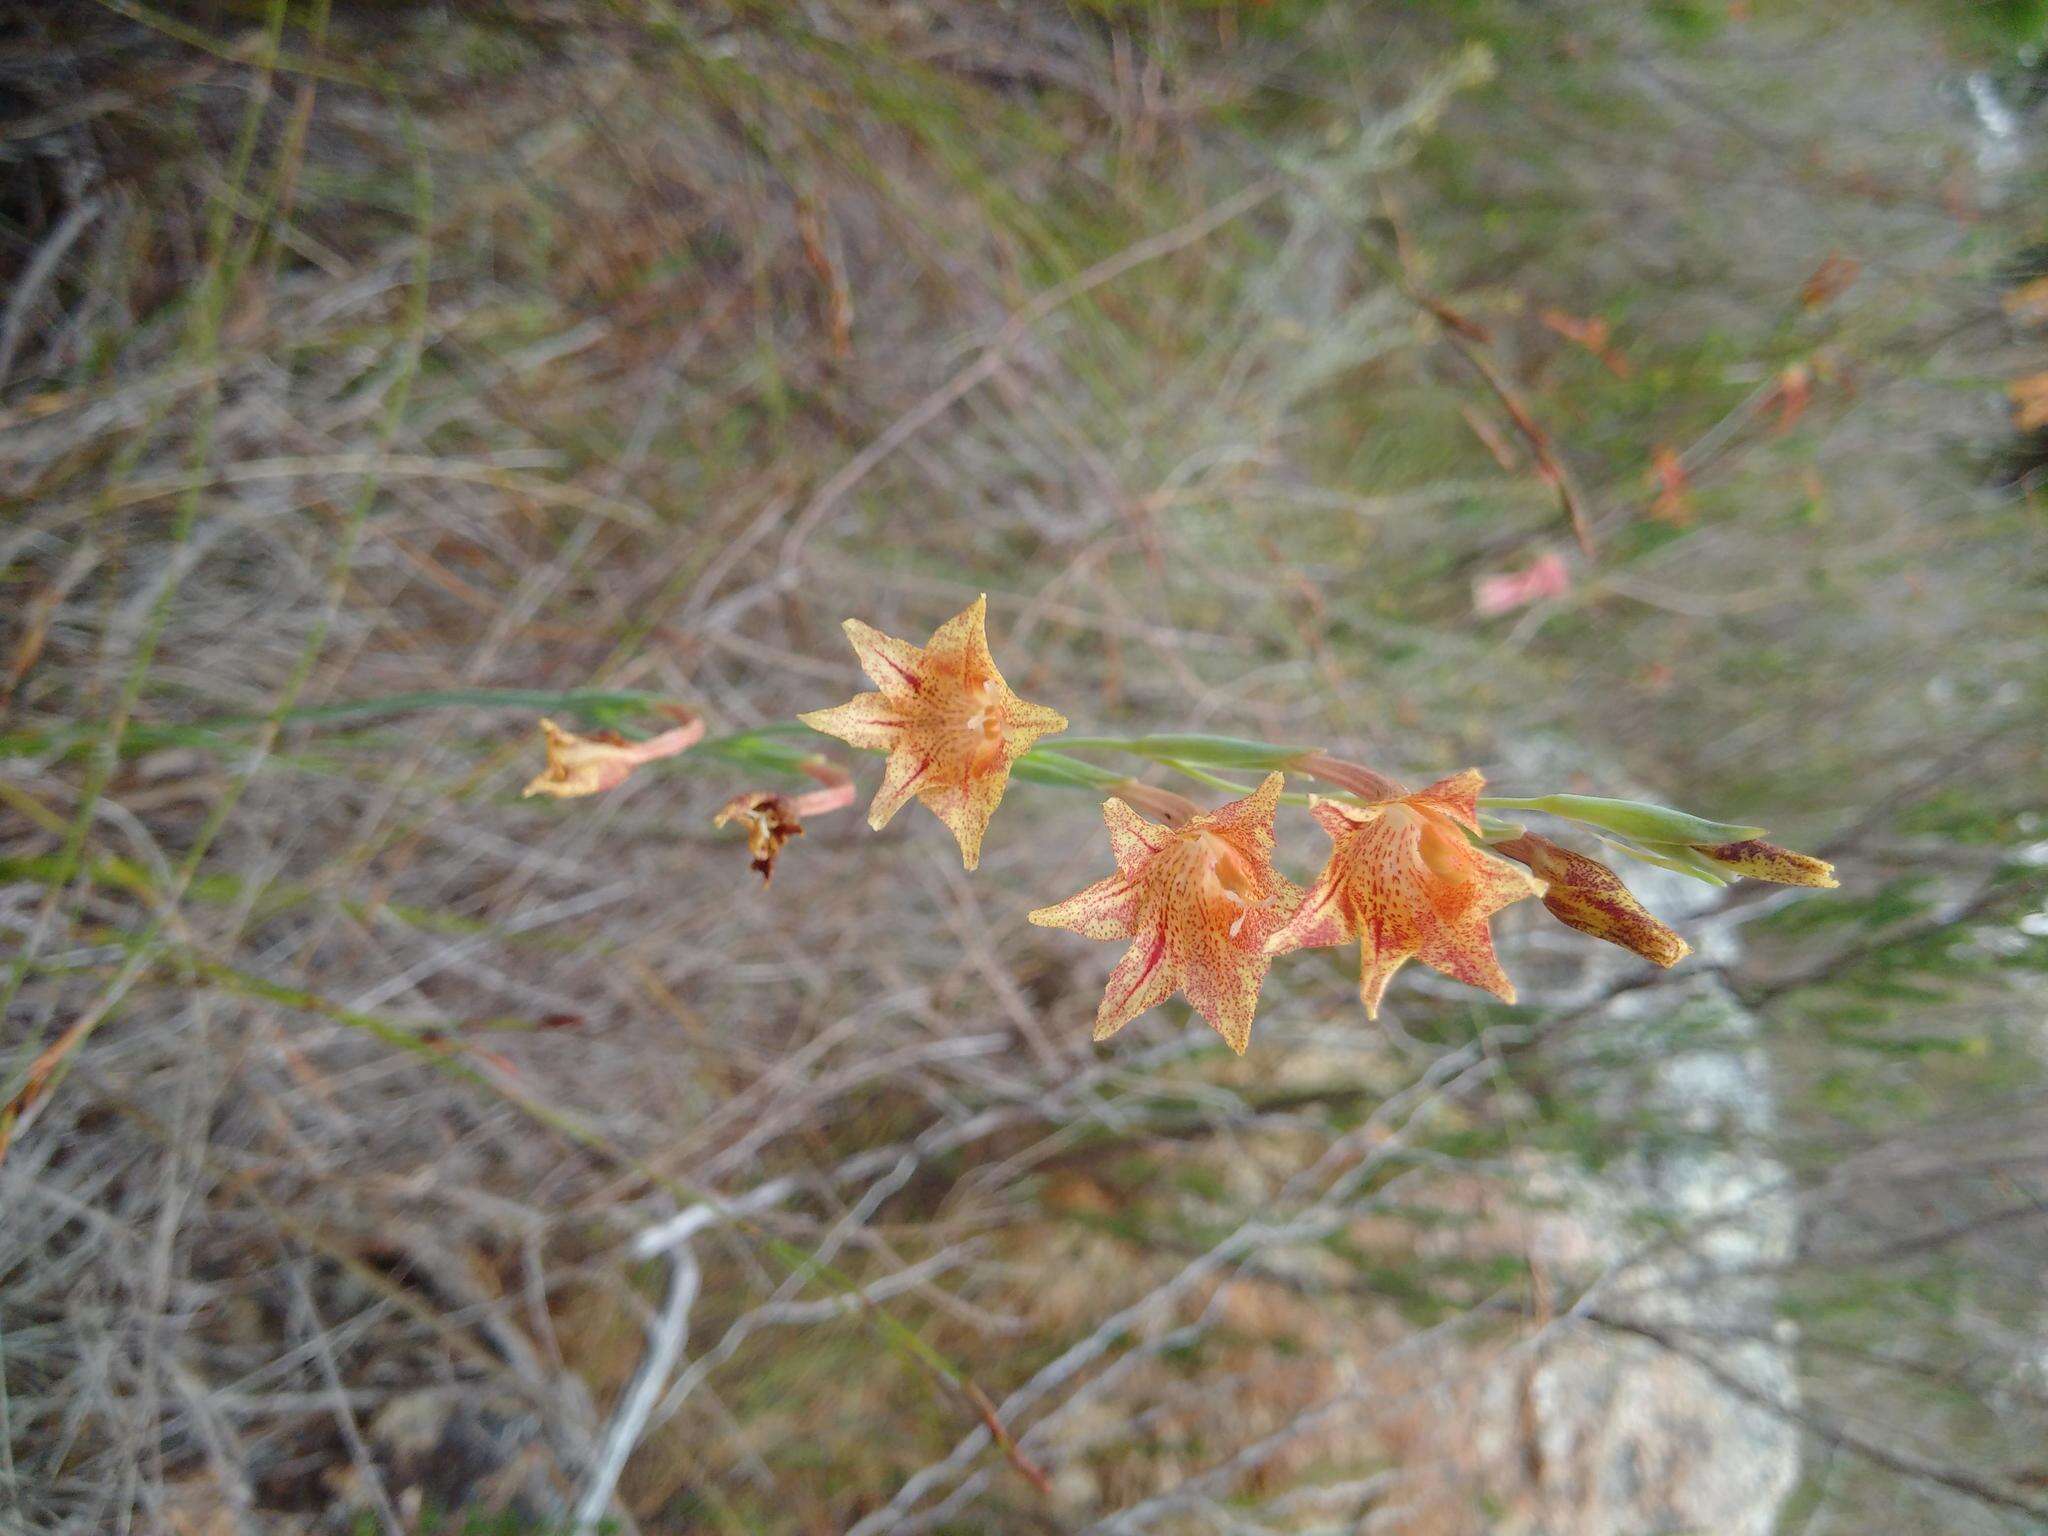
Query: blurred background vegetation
361,350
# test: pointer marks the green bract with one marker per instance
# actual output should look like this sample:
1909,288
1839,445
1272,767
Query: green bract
1041,767
1633,818
1672,856
1218,751
1204,751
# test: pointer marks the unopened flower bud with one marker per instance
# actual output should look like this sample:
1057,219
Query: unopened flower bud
1585,894
1760,860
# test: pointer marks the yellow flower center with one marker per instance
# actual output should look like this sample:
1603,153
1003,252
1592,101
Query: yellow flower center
981,724
1221,877
1441,850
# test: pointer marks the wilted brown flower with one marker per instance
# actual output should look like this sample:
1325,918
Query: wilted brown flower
771,820
588,765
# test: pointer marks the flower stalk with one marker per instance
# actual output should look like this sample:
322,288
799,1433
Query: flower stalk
1409,876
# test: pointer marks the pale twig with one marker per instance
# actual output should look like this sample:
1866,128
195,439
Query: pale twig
666,1335
344,1416
77,219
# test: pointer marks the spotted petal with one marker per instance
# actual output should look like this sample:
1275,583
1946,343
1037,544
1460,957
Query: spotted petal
1405,881
1199,900
950,724
870,721
894,666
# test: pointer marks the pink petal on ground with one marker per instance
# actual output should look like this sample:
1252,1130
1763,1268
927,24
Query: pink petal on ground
1495,595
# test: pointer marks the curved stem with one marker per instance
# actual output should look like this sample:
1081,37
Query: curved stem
770,746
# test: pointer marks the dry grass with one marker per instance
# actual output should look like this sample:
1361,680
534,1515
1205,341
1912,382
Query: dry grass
562,347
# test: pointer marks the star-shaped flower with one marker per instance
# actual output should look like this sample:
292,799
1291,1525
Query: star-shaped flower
1201,900
948,721
1405,881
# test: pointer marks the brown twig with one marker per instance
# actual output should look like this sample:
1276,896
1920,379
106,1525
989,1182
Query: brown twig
1026,1467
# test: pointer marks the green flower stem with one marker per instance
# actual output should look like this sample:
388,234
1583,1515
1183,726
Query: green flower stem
1631,819
1176,751
782,747
588,702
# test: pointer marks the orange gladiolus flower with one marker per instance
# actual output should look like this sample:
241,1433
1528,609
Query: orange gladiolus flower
948,721
1201,899
1405,881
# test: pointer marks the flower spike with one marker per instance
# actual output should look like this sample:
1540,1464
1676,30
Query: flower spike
1200,899
948,721
1407,883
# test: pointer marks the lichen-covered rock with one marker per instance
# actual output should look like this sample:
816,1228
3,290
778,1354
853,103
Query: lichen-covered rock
1657,1398
1660,1407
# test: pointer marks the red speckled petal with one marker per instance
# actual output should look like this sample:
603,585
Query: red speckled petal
1024,723
870,721
1108,909
1132,839
1249,821
1142,979
1376,971
1466,954
1223,971
961,643
892,665
907,773
1457,796
1322,919
966,807
1341,820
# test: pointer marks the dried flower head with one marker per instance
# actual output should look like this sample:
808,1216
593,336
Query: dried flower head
770,821
588,765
